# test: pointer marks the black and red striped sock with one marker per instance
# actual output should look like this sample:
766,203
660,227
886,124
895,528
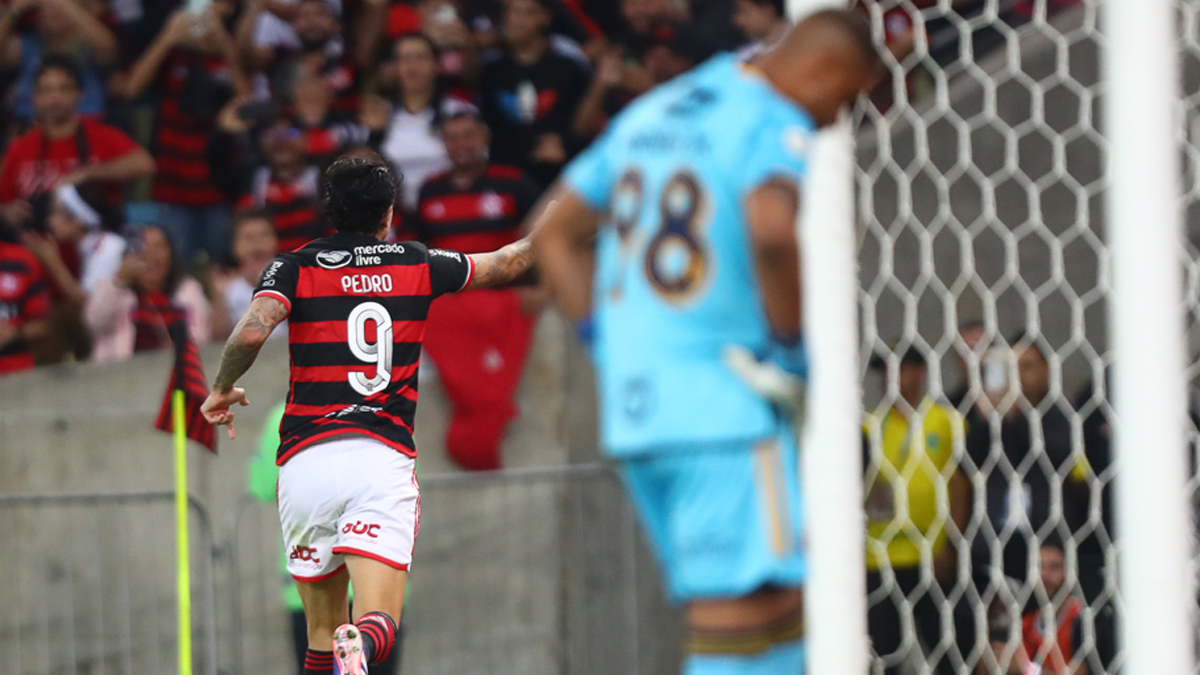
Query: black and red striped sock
378,635
318,663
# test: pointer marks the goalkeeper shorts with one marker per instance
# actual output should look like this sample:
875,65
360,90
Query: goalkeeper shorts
723,518
351,496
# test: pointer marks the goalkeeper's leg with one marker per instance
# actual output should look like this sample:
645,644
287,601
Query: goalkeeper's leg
760,634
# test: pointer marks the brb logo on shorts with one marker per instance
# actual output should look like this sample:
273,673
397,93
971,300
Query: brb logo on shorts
305,554
359,527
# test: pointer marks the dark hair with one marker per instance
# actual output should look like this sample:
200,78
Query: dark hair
439,85
246,215
358,193
1053,540
1029,341
777,5
63,64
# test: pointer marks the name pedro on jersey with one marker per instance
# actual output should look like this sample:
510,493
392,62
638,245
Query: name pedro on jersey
367,283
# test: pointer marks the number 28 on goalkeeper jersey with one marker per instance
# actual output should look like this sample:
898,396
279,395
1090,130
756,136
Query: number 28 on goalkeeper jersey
675,280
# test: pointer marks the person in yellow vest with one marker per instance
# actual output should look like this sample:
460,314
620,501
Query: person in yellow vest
915,494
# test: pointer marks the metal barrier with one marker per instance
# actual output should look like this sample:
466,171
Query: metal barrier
531,571
79,604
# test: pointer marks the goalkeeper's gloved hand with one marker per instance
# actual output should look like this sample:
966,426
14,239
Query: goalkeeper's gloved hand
777,372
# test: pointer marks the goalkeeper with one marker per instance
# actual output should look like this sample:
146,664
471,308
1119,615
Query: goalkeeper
676,231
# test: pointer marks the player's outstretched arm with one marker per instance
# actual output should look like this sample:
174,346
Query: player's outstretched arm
502,266
264,314
564,240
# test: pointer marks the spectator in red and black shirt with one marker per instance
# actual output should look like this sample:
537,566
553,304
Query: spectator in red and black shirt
24,306
530,93
478,339
318,50
63,147
288,186
195,61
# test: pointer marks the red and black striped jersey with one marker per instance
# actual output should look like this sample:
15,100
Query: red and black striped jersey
183,175
23,298
357,309
483,216
295,206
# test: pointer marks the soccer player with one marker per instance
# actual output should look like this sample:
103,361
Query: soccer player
349,502
676,232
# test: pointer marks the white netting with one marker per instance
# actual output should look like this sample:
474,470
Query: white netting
980,186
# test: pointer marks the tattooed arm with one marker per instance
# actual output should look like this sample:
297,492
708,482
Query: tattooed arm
241,349
502,266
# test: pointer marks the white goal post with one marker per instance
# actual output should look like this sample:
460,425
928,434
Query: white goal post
831,467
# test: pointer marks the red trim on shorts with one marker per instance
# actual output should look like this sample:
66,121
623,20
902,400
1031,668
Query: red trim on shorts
341,550
323,577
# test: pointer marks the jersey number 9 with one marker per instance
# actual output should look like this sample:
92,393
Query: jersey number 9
378,353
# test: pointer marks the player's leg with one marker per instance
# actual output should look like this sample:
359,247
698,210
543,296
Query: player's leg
731,533
378,601
308,511
326,606
376,534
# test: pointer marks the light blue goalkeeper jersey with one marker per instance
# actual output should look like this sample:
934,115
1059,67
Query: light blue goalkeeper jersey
675,280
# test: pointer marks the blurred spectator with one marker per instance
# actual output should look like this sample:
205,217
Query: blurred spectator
571,29
412,142
329,132
1026,464
972,334
288,186
194,59
129,312
611,91
1094,472
911,472
764,22
79,224
254,246
530,93
1052,633
477,339
64,148
318,49
24,306
62,28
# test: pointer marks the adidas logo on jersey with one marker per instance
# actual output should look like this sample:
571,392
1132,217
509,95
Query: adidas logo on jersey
332,260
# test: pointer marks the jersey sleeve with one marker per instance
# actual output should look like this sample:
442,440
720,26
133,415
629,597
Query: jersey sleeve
449,271
777,149
590,174
279,280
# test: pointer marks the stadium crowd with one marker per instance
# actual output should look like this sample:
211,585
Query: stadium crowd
156,159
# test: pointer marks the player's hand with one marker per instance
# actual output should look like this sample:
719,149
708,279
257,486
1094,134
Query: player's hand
775,379
217,407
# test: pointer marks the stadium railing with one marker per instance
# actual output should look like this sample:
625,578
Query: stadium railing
523,571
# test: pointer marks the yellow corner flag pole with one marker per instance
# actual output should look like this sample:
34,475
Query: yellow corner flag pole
183,580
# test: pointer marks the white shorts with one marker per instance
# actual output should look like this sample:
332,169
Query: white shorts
354,496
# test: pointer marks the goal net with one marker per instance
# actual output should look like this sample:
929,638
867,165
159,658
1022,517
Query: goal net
984,277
